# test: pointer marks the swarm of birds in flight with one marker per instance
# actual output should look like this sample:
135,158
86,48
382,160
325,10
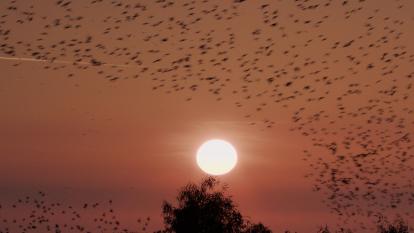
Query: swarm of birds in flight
37,213
343,69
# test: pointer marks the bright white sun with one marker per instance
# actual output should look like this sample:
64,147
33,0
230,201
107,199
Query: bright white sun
216,157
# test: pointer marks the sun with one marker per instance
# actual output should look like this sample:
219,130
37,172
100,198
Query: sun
216,157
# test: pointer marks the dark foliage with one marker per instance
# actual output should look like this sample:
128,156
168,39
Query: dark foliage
257,228
204,209
325,229
383,225
398,226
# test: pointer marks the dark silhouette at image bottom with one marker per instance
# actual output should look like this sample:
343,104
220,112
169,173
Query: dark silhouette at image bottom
206,208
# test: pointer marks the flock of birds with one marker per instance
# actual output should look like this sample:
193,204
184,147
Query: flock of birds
38,214
342,69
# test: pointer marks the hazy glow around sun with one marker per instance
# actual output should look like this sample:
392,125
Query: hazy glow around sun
216,157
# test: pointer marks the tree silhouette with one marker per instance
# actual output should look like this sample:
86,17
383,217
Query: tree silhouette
325,229
257,228
383,226
398,226
205,209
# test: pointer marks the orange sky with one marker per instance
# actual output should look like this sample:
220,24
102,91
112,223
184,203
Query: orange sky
84,137
112,137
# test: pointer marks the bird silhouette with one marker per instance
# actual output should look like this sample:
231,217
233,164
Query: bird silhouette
345,78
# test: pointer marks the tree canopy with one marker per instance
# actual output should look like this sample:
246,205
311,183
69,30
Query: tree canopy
206,208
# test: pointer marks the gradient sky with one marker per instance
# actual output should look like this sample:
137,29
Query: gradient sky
84,137
124,141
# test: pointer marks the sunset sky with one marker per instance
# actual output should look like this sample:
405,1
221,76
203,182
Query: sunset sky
78,134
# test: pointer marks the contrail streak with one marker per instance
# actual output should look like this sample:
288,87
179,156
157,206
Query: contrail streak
28,59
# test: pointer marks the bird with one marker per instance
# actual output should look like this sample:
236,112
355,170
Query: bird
345,78
39,213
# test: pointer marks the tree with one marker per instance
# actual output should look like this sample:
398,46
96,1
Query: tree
325,229
257,228
399,226
205,209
